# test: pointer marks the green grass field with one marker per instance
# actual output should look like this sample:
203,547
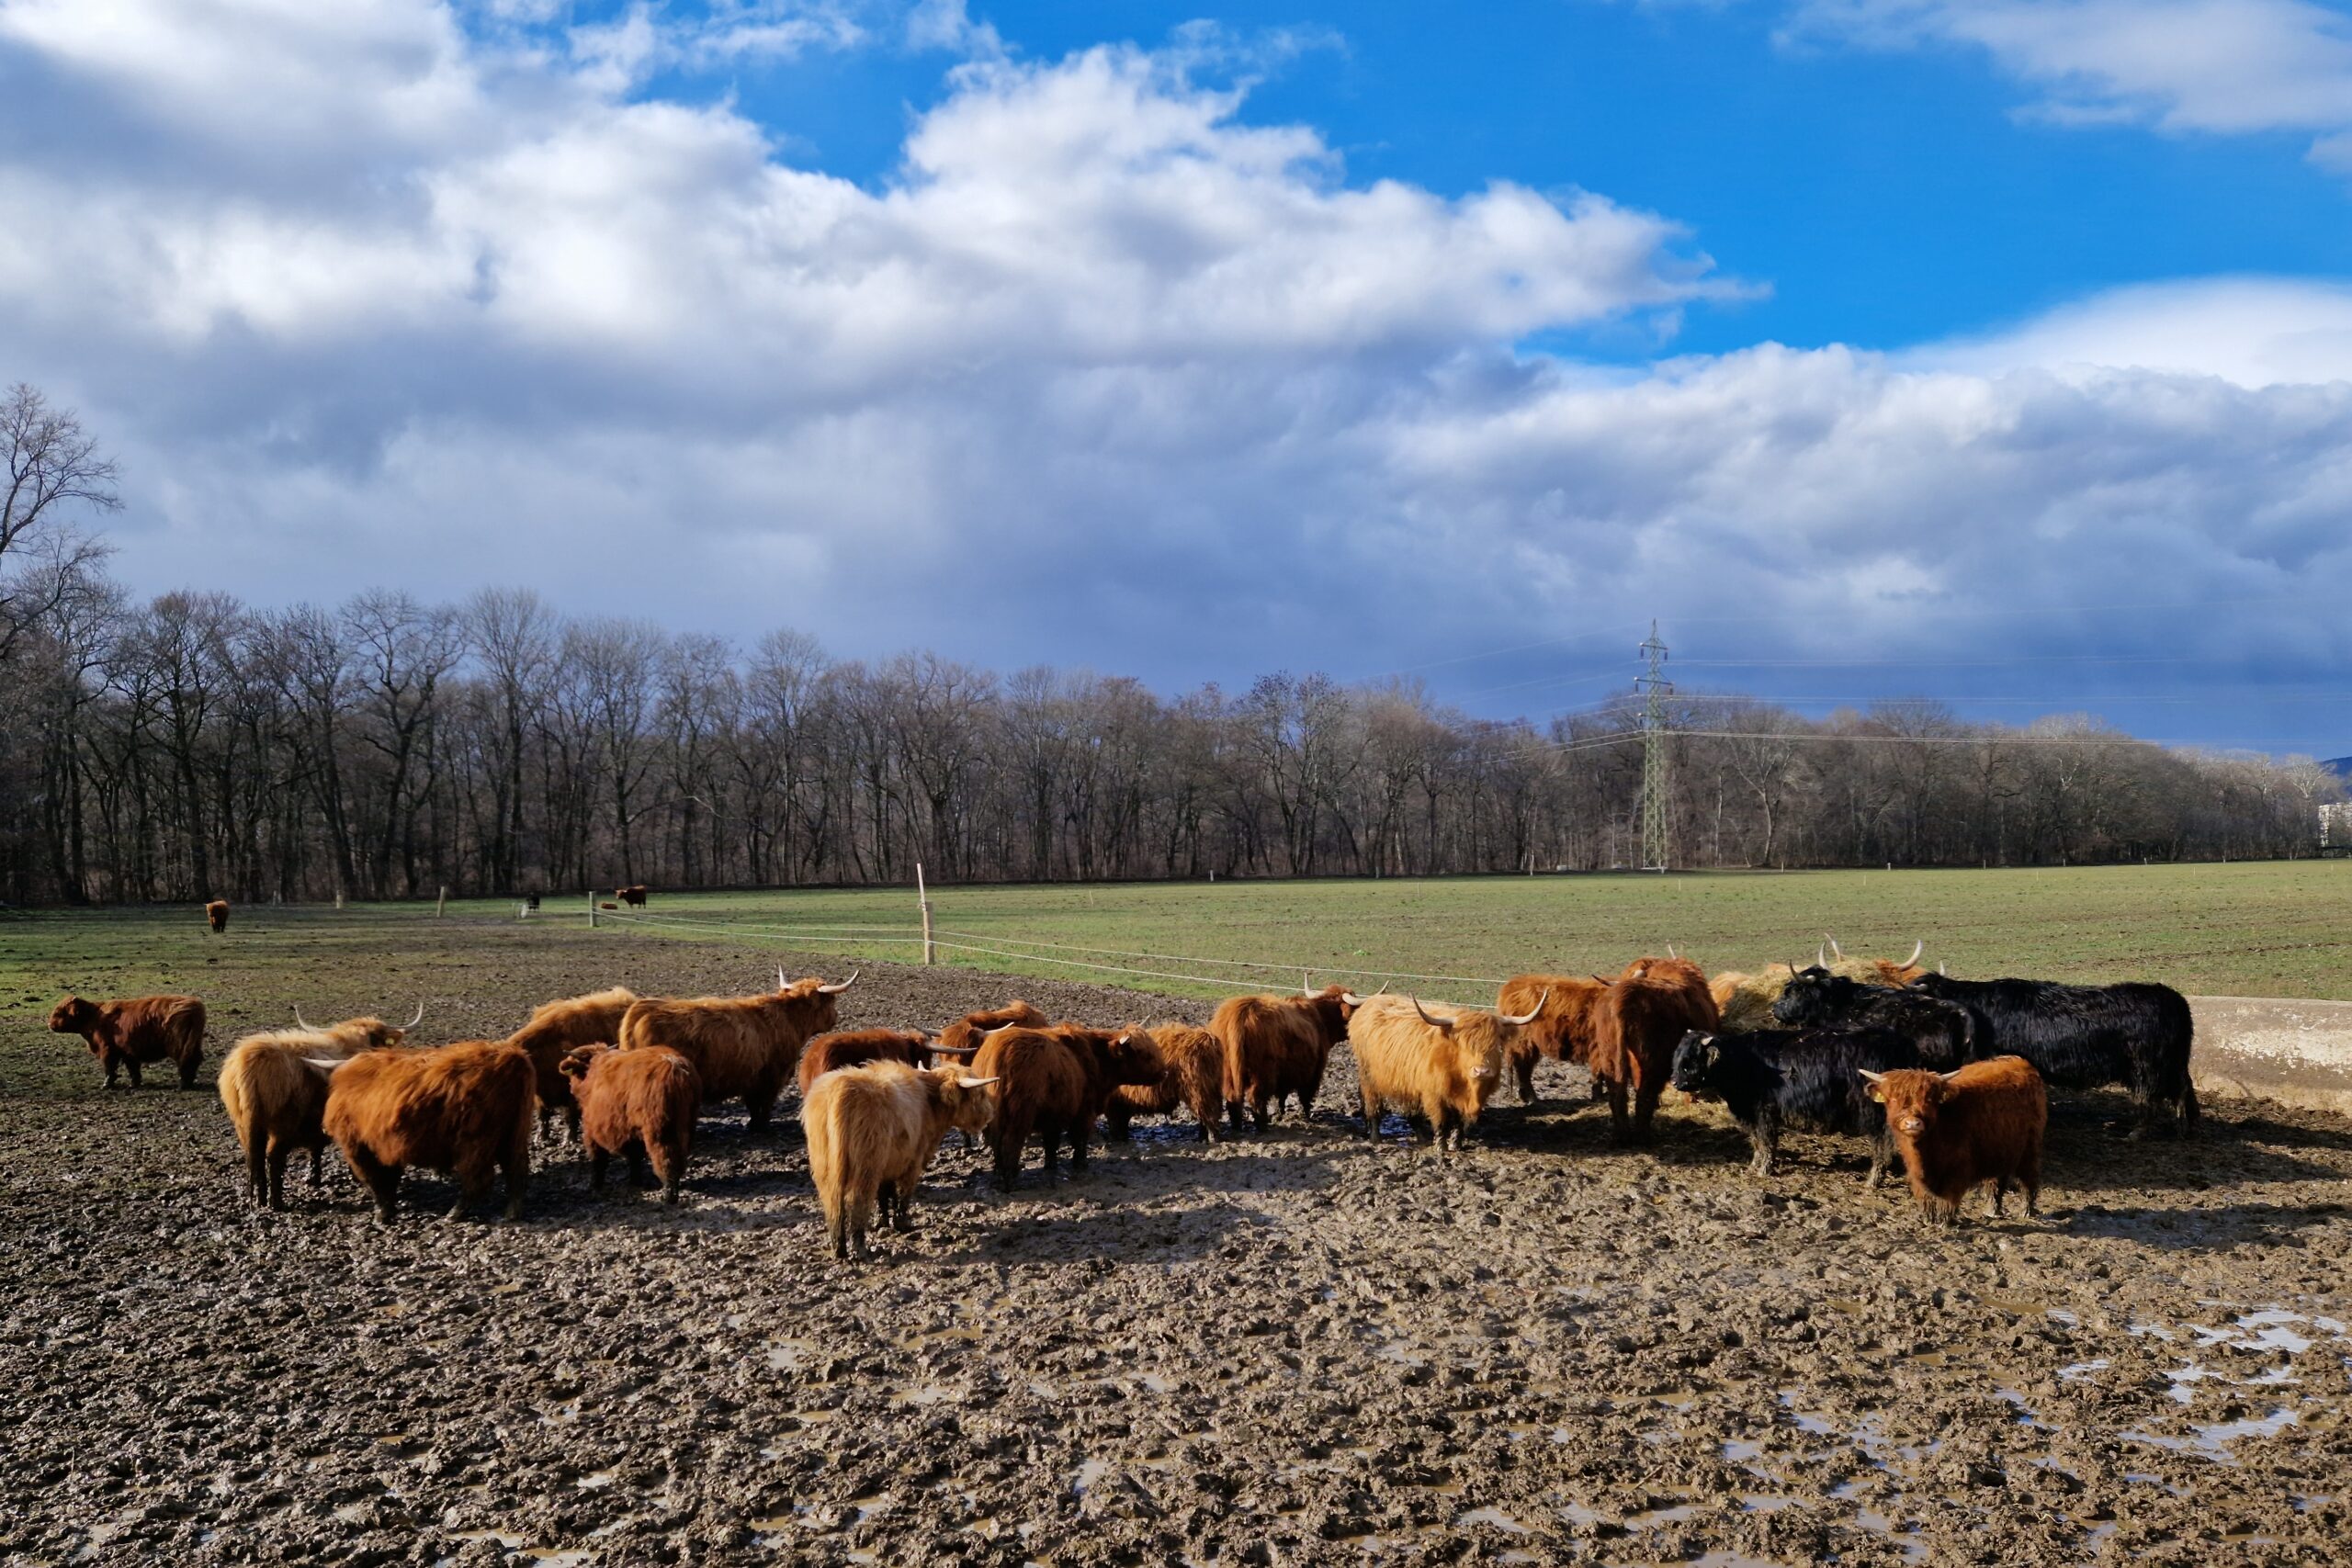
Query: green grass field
2246,929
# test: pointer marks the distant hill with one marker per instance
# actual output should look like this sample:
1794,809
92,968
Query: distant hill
2340,766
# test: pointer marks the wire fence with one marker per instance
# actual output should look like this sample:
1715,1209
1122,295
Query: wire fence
1018,950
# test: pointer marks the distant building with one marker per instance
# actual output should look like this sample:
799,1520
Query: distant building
2335,827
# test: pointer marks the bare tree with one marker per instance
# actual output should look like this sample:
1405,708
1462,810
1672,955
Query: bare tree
51,465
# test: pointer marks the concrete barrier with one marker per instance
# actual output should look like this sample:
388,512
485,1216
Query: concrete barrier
2297,1052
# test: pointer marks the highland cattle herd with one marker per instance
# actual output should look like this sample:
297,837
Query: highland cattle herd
1945,1075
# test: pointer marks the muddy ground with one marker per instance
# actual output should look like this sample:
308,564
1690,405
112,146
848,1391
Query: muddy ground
1289,1350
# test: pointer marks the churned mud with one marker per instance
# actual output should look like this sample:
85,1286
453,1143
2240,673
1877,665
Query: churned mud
1295,1349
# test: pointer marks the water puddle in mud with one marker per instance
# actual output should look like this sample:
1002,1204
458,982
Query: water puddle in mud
1494,1517
2212,1442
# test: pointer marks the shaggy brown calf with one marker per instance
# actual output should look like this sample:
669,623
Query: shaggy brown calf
134,1029
1056,1081
637,1103
744,1047
557,1028
1563,1027
1277,1047
1444,1064
1192,1074
1956,1131
216,915
464,1109
1636,1025
964,1034
274,1086
871,1131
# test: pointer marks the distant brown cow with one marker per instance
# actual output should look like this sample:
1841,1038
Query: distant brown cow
216,915
633,896
1563,1028
1192,1074
1636,1025
1277,1047
465,1109
964,1034
871,1131
274,1086
744,1047
1956,1131
557,1028
1056,1081
636,1104
136,1030
1444,1064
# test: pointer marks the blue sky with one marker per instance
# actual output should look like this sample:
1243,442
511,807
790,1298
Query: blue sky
1991,350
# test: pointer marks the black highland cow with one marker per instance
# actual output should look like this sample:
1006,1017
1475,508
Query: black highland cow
2086,1036
1942,1030
1807,1079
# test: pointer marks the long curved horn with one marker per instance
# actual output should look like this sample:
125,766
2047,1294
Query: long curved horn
975,1083
1303,988
1526,1018
326,1064
1833,944
958,1051
1820,959
1670,953
1870,1076
413,1022
1443,1026
1917,948
781,983
837,988
300,1020
1355,1000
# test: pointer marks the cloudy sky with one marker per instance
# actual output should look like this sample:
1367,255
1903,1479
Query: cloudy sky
1992,350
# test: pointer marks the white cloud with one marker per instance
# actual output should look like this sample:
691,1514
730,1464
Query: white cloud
2221,66
2256,332
1106,373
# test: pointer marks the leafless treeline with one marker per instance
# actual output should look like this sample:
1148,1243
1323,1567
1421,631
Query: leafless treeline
196,746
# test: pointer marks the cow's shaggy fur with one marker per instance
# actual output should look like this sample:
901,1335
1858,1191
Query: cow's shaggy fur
1440,1063
1276,1047
1957,1131
465,1109
1192,1075
557,1028
2084,1036
1941,1031
137,1030
277,1097
640,1104
872,1130
1806,1078
744,1047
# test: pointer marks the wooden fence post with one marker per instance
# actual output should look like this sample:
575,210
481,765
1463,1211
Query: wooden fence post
591,908
922,900
441,904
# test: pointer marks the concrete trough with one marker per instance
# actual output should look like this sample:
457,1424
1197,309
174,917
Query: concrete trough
2299,1053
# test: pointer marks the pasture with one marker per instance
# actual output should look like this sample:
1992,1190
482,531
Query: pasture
2268,928
1294,1348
